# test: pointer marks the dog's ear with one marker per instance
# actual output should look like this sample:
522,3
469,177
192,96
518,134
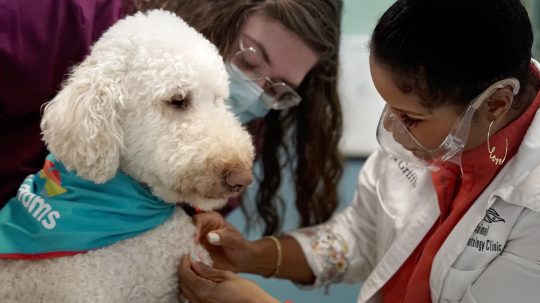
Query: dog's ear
81,125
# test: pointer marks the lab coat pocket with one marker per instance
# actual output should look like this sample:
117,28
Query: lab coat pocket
457,282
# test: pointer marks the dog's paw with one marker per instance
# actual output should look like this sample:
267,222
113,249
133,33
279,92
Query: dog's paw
199,254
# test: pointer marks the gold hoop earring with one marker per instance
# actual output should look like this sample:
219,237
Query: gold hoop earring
491,150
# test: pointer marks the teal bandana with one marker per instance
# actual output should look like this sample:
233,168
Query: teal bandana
56,213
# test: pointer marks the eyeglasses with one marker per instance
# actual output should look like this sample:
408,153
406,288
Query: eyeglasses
253,67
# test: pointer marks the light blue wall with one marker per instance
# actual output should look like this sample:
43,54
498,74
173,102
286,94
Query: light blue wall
533,6
359,16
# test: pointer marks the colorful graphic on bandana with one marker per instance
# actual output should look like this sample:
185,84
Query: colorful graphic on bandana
53,181
56,213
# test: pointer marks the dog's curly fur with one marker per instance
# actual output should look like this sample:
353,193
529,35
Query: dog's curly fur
148,100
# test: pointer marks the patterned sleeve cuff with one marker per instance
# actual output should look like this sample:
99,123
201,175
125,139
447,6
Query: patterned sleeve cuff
326,252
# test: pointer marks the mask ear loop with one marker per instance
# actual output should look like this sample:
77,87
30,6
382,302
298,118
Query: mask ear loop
495,86
475,105
515,90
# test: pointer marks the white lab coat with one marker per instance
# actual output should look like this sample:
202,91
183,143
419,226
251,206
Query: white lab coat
492,254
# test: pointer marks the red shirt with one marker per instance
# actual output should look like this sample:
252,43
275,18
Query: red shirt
411,282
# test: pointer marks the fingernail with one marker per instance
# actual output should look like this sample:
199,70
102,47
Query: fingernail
213,237
195,257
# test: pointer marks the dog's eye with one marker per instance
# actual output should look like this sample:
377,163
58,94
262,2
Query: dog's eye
180,102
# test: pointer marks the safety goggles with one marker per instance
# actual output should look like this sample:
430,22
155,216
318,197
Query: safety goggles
396,140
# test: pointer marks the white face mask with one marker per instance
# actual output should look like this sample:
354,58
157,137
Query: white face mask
396,140
245,97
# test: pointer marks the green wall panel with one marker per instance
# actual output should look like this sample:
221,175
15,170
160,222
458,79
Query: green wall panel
360,15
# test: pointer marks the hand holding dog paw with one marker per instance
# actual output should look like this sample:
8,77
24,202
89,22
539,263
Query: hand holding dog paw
200,283
227,247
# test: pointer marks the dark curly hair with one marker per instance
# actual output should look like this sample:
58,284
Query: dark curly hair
450,51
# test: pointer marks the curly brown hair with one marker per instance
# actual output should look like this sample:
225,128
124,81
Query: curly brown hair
315,126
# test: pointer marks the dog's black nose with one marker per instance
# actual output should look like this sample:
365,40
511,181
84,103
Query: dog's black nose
238,180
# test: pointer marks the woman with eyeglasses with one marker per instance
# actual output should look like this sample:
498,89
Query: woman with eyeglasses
448,208
282,57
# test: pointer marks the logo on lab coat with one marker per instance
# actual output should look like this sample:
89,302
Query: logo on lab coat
480,239
492,216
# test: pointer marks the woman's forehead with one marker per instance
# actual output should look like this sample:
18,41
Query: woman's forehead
393,95
407,101
289,56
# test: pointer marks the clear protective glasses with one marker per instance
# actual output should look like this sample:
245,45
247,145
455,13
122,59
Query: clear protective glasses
396,140
253,67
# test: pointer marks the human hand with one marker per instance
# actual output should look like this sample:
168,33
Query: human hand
200,283
227,247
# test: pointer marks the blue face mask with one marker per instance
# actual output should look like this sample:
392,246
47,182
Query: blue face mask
245,96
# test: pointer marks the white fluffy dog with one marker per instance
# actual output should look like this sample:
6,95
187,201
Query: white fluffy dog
150,101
